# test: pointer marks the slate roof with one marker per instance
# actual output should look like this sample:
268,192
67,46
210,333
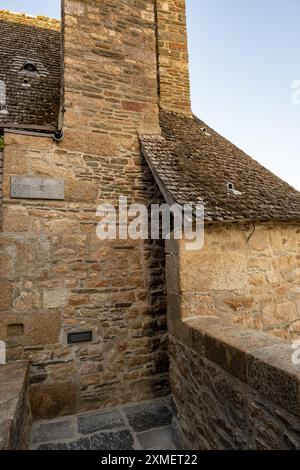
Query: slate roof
37,40
193,163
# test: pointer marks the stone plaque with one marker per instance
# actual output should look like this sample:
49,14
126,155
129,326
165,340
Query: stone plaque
36,188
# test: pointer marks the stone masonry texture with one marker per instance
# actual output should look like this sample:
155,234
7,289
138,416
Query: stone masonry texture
57,276
121,62
1,180
15,415
137,426
216,411
173,62
246,274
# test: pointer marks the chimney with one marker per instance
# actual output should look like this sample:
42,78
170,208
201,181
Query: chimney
173,62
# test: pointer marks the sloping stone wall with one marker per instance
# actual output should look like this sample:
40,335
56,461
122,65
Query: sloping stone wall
57,275
249,275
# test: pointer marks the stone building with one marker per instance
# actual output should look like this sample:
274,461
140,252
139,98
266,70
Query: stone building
101,108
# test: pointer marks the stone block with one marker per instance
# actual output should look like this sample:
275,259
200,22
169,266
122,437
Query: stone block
94,144
7,264
148,415
15,219
157,439
228,346
176,326
52,431
38,328
64,225
32,255
209,271
100,421
172,273
260,241
55,298
51,400
279,313
27,300
82,191
15,162
118,440
15,417
199,327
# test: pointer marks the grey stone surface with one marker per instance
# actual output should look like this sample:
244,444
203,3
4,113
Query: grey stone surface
90,423
156,439
52,431
148,415
120,440
57,446
114,429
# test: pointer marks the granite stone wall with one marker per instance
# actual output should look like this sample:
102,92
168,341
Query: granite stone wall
1,179
246,274
57,276
217,411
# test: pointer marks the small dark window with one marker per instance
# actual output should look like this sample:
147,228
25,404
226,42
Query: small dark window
30,67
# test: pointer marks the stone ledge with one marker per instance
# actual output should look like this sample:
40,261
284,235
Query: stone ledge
257,359
15,416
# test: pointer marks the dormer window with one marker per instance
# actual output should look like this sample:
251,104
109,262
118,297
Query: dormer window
29,67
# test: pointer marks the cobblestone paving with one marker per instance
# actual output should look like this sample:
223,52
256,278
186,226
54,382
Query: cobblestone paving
145,425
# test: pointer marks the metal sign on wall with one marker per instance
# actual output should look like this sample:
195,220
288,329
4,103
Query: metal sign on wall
22,187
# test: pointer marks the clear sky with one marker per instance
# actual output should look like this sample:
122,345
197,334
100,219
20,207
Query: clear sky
244,58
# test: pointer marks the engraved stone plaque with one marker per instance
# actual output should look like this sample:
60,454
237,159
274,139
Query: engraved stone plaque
36,188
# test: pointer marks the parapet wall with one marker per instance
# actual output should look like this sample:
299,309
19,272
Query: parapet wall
57,276
233,388
234,385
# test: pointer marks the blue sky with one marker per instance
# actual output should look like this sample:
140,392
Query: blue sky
244,57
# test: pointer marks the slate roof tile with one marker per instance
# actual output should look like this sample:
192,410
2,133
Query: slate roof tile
194,163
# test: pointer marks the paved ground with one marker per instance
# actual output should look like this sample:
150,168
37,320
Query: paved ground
145,425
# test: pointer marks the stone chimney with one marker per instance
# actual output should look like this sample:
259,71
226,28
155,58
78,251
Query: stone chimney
110,72
173,62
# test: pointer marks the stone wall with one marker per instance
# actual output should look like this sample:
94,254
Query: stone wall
234,388
15,415
1,178
249,275
173,62
57,276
